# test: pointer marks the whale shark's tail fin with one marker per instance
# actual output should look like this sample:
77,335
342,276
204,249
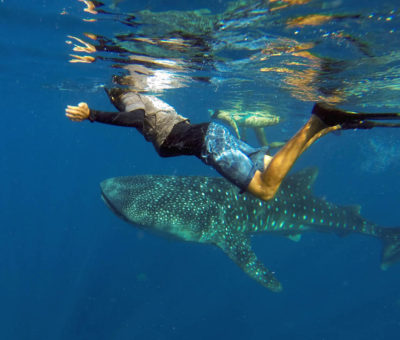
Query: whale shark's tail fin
391,247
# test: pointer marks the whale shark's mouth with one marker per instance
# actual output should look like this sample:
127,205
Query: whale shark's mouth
105,194
108,203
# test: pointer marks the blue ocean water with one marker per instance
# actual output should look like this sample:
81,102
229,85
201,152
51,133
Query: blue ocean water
70,269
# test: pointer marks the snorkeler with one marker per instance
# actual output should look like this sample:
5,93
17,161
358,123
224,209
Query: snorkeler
250,169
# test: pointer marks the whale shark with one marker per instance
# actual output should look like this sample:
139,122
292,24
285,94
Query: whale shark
212,211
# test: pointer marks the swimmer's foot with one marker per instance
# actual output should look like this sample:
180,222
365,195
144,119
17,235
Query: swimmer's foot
333,116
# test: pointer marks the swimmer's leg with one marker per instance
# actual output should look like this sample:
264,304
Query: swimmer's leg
324,119
260,135
265,184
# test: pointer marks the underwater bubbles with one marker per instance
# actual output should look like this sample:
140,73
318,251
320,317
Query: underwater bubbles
380,153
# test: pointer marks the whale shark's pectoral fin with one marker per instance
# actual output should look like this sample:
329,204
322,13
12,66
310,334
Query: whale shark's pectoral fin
238,248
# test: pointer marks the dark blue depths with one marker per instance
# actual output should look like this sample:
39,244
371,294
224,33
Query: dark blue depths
69,269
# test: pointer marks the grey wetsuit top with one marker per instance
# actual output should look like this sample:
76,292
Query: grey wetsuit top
159,118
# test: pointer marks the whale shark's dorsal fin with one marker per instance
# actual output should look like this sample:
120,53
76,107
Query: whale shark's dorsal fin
353,209
238,248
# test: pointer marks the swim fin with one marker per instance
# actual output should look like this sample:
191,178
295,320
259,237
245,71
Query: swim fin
332,116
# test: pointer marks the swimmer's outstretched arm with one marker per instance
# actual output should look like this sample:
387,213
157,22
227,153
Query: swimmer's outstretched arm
83,112
78,113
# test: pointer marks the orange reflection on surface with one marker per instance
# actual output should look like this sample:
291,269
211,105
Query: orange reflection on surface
285,46
90,36
277,70
303,82
81,59
303,87
309,20
165,63
88,48
307,55
146,40
281,4
173,43
90,7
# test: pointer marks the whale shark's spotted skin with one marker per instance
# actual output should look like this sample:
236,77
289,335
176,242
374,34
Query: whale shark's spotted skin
211,210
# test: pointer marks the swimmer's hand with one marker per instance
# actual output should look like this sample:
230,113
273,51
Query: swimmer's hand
78,113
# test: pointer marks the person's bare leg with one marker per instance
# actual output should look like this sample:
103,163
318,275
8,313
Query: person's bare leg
265,184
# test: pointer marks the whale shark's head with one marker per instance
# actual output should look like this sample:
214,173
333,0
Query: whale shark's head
174,206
